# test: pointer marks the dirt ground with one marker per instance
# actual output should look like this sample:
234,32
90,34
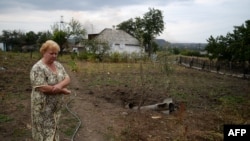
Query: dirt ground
100,92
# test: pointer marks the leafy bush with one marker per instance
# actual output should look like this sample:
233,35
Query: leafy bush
115,57
190,53
82,56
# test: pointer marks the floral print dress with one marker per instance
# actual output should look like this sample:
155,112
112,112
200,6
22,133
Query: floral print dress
45,109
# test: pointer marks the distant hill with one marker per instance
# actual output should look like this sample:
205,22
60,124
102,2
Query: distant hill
162,42
196,46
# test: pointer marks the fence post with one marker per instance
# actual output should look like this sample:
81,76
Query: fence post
191,62
246,69
217,66
180,59
203,65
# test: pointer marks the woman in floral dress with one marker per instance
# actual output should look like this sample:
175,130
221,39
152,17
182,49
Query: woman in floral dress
49,80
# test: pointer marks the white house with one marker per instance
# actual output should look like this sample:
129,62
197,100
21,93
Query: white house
119,41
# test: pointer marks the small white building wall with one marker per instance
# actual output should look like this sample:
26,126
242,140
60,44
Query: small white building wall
2,47
122,48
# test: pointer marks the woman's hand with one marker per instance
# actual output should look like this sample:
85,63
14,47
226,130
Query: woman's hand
56,89
66,91
57,86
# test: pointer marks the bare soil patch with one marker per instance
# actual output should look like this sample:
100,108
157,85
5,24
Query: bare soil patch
206,101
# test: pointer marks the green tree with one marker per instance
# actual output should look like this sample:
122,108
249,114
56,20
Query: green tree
63,31
128,26
211,48
31,38
60,34
76,28
60,38
145,29
232,47
43,37
13,39
76,31
218,48
240,43
154,25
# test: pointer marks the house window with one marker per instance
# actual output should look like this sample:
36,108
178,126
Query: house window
117,45
131,45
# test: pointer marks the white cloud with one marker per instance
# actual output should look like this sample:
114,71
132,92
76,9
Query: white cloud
185,20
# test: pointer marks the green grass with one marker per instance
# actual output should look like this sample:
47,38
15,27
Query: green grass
232,100
5,118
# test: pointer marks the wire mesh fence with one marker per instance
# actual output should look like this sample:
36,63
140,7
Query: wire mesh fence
238,69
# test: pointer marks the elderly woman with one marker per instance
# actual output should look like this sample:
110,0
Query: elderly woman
49,80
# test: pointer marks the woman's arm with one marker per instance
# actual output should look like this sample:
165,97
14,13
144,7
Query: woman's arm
63,83
47,89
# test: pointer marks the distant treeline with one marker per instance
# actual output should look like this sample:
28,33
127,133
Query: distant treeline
193,46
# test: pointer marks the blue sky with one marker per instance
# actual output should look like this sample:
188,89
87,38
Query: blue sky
185,20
